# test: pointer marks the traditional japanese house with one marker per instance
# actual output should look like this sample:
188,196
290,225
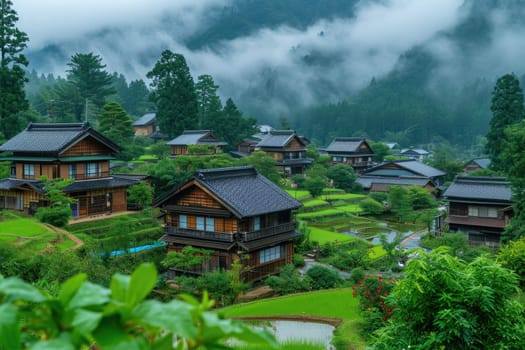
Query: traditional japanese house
234,213
477,164
145,125
63,151
203,140
479,206
354,151
288,149
418,154
406,169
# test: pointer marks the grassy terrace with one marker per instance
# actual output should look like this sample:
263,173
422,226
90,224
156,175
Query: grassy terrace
27,232
335,303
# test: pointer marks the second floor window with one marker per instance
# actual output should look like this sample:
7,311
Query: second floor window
183,221
256,223
29,170
91,169
72,171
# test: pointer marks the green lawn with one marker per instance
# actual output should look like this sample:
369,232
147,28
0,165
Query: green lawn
29,233
342,196
323,236
26,227
334,303
299,194
315,203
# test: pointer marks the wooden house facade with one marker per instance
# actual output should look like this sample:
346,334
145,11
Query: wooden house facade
209,144
235,213
354,151
145,125
288,149
63,151
479,206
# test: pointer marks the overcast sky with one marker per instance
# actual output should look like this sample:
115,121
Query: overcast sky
367,45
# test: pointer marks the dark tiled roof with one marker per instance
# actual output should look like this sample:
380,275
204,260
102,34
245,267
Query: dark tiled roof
110,182
53,138
146,119
345,144
414,151
483,163
408,167
243,191
9,184
277,138
367,181
196,137
479,187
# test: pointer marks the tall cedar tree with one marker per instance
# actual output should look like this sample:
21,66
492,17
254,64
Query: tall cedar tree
12,76
115,124
174,94
87,74
512,154
507,109
232,126
210,105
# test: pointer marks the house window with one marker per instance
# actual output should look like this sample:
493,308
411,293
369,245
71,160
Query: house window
91,169
472,211
492,213
210,224
256,223
269,254
183,221
72,171
200,223
29,170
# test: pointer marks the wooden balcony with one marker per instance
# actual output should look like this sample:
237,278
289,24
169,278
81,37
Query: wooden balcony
206,235
268,231
498,223
231,237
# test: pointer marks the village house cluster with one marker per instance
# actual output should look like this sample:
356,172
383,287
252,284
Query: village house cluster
235,212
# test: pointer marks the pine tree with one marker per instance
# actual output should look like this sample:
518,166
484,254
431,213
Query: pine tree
174,94
87,74
115,123
210,105
507,109
12,76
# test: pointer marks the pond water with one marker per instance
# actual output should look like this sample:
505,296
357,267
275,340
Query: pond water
314,332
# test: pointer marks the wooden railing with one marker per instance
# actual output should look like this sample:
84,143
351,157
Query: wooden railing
190,233
268,231
231,237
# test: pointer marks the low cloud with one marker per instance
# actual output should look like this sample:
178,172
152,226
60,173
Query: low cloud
279,68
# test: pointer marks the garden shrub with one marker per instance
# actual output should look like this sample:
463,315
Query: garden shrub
357,274
323,277
372,291
289,281
298,260
57,216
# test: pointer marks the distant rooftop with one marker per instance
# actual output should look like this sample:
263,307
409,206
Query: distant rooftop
146,119
196,137
479,187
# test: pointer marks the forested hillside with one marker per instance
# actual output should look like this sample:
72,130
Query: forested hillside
436,88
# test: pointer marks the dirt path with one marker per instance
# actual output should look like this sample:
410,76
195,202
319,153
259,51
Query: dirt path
78,242
416,235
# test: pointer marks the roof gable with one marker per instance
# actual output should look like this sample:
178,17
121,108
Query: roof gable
242,190
349,144
479,188
196,137
146,119
405,168
54,138
279,139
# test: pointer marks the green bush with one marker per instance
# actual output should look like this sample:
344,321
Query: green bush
289,281
57,216
298,260
357,274
323,277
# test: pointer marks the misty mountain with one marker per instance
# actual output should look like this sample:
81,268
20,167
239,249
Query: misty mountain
405,70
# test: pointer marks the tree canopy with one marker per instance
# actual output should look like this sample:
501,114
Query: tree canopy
507,109
115,124
88,75
174,94
12,76
444,302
